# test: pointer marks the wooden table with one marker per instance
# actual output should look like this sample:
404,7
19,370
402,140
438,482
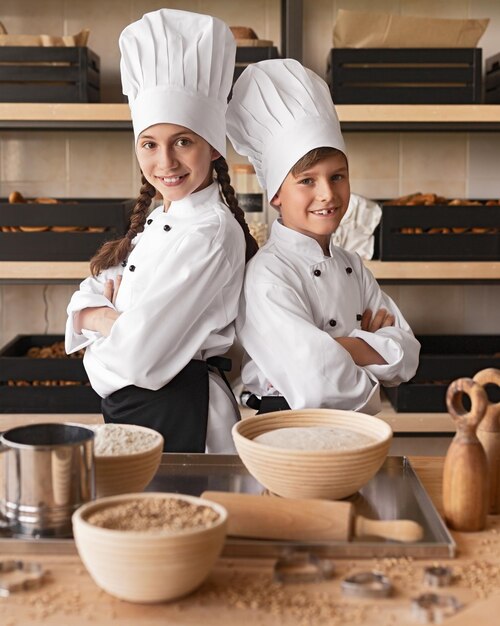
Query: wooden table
242,592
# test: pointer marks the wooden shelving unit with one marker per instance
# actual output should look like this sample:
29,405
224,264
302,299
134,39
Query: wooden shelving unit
353,117
383,271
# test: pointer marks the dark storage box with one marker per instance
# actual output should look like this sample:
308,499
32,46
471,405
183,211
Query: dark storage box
492,80
48,74
444,358
245,55
14,365
472,233
405,75
108,215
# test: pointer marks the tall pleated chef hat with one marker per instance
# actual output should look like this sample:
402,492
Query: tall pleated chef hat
280,111
177,67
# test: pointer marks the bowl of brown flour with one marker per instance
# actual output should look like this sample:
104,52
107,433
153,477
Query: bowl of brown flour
149,547
126,458
313,453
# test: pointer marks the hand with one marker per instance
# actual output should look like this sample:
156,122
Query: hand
381,319
111,289
101,318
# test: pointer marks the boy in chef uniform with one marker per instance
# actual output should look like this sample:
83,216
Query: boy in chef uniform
162,300
316,327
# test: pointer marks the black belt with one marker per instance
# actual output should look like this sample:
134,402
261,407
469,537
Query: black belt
267,404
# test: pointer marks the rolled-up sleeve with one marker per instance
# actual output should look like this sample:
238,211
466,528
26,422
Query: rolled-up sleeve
304,363
89,294
396,344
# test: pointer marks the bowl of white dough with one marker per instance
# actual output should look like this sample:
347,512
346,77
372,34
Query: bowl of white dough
126,458
313,453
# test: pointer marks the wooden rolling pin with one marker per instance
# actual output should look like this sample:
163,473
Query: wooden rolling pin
305,520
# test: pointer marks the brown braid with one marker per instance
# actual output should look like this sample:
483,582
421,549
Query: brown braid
113,253
222,171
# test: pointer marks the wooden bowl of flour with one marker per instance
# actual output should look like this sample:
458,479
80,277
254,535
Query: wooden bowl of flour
313,453
126,458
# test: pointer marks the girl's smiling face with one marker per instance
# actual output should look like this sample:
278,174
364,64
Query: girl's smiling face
175,160
315,201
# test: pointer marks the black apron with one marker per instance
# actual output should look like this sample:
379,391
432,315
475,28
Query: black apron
267,404
179,410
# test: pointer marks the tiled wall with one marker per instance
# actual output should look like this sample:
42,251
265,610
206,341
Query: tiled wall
102,164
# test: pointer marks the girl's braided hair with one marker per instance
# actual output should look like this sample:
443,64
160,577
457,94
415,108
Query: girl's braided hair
113,253
222,171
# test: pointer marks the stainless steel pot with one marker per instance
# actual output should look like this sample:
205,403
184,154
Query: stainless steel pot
46,473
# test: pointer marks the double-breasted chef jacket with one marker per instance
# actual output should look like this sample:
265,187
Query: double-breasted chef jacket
178,300
295,301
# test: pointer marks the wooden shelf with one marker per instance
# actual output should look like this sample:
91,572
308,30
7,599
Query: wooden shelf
116,116
383,271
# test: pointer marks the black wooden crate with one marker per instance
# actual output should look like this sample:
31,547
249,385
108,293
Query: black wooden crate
405,75
443,359
49,74
14,365
452,246
246,55
111,214
492,80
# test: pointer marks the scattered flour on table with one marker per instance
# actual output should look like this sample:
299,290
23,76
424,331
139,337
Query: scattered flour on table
315,438
115,439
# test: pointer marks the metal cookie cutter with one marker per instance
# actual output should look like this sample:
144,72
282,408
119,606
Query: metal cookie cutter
23,576
431,608
302,567
367,585
438,576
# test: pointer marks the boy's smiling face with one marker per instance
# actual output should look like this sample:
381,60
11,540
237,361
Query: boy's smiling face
315,201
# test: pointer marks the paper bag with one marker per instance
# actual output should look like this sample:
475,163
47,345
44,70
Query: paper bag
360,29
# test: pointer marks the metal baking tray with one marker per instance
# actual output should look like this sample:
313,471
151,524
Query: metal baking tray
395,492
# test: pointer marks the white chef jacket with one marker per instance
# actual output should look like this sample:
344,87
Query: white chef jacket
295,300
178,300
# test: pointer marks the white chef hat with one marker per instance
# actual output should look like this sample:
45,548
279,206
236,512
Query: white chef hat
280,111
177,67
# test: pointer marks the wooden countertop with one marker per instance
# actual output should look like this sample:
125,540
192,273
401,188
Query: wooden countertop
242,591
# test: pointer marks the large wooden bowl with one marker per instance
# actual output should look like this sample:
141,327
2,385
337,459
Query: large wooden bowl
329,474
144,566
127,473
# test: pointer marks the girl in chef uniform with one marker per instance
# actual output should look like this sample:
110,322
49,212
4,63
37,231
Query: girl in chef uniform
316,328
162,300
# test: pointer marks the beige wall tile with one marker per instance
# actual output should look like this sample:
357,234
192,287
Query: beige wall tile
434,162
484,156
373,155
261,15
433,309
106,21
376,189
317,38
482,309
435,8
101,164
36,156
32,17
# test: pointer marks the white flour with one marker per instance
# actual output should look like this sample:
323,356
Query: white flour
315,438
115,439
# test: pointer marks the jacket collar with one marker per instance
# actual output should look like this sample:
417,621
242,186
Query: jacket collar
296,242
194,204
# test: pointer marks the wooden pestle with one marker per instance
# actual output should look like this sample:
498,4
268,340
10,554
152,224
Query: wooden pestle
465,478
305,519
488,433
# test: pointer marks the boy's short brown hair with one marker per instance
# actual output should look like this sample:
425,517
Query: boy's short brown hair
311,158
